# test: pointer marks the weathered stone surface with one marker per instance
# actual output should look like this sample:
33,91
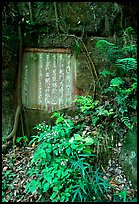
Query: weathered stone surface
128,157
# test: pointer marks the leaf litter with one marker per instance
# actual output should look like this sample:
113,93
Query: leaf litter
15,165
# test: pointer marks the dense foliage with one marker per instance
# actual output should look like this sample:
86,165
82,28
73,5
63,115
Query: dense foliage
120,83
63,166
67,164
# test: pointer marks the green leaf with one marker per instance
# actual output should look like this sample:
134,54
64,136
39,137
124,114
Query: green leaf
94,120
49,157
134,119
55,151
55,114
106,72
45,187
127,63
19,139
59,120
116,82
31,186
48,178
87,150
77,137
7,172
80,147
55,188
73,146
80,196
62,198
68,151
53,195
74,197
88,141
128,124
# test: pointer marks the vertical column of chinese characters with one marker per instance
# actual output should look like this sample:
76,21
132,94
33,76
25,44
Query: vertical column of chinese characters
68,81
25,89
61,81
47,83
54,83
40,77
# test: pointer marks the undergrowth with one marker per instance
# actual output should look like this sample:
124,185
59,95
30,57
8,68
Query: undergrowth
63,167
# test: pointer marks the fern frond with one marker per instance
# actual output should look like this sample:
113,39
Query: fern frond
129,49
116,82
106,72
110,50
127,64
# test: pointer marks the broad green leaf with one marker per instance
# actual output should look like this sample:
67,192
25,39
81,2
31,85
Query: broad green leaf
55,188
55,180
87,150
80,147
55,114
116,82
68,151
48,178
77,137
88,141
45,187
59,120
73,146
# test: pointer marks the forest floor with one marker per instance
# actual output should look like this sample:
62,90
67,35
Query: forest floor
15,165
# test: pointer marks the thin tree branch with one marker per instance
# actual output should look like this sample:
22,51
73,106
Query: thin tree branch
93,66
55,7
30,11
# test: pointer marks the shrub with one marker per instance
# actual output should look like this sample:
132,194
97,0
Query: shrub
61,168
